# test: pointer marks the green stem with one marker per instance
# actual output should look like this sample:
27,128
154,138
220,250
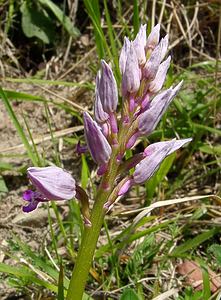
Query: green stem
86,252
91,235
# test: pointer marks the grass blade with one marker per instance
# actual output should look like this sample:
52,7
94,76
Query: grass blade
112,38
18,127
25,273
61,283
93,11
195,242
136,17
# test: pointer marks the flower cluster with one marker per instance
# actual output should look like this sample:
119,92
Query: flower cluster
143,71
143,68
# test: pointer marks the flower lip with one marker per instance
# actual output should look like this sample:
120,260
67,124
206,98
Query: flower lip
33,199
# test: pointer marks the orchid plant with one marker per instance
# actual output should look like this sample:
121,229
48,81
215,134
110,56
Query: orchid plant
108,136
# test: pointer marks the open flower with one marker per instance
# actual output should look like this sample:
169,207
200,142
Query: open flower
51,183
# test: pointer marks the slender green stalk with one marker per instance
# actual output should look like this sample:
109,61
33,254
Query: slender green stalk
86,252
91,235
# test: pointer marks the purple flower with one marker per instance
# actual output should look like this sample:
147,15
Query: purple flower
107,88
149,119
132,73
155,154
51,183
97,143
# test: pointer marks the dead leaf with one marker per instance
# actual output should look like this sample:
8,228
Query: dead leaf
193,274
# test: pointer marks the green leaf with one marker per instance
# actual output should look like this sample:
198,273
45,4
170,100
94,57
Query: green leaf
23,96
25,273
61,283
206,128
62,18
32,80
3,187
129,294
159,176
215,150
216,250
5,166
136,17
93,10
194,242
84,172
35,23
113,41
206,283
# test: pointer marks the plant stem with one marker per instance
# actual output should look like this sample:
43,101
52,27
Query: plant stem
91,235
86,252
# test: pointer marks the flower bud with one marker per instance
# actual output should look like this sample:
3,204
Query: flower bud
177,145
97,143
107,88
148,120
155,154
123,55
158,81
139,44
132,73
99,114
151,67
125,187
153,38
